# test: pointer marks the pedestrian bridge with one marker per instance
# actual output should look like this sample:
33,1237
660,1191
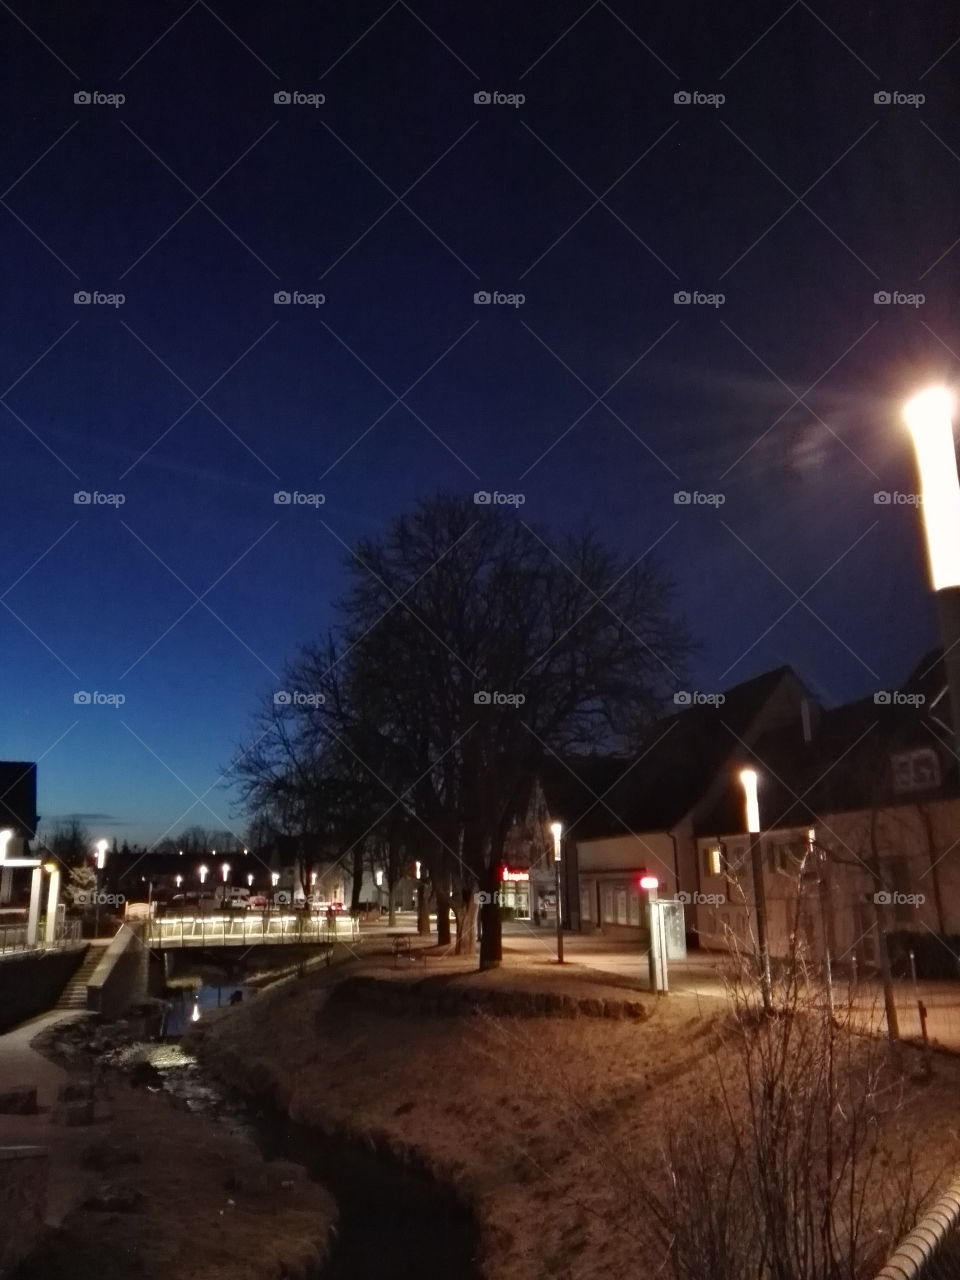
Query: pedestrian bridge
249,929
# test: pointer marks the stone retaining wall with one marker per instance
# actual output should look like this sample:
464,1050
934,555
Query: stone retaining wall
442,998
31,982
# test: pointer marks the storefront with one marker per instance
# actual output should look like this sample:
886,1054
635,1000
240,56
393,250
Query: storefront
515,892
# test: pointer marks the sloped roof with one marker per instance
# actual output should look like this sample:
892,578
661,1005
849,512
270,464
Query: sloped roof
664,781
845,766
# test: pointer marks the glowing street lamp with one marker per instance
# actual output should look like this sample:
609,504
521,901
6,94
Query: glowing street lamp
929,416
556,830
748,780
203,872
225,871
178,880
250,879
101,847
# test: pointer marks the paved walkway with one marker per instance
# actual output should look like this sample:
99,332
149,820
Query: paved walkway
19,1064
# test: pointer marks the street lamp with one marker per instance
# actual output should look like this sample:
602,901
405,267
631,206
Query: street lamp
929,417
225,871
101,847
250,879
556,829
203,872
748,780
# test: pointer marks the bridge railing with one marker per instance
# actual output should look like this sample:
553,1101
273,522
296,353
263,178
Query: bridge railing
249,929
13,937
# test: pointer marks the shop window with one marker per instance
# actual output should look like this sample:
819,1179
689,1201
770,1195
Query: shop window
635,908
608,917
712,860
585,905
621,906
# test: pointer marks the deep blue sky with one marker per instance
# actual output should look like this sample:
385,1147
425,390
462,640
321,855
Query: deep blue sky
697,198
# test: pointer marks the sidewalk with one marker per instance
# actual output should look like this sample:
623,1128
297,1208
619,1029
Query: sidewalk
19,1064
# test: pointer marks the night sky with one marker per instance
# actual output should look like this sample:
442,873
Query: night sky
598,198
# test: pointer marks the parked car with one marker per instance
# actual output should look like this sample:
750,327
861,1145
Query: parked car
230,895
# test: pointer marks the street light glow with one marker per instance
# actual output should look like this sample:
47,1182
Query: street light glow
649,882
748,779
203,872
557,831
225,870
101,854
929,416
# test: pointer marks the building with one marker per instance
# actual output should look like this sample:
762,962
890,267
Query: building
628,817
860,817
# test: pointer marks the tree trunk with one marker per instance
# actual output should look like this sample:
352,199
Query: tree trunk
491,929
443,916
392,917
357,887
423,910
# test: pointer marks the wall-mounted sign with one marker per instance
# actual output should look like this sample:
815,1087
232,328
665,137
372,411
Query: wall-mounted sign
507,874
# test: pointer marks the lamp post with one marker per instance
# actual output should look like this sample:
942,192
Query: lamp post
748,780
101,847
929,417
556,829
657,955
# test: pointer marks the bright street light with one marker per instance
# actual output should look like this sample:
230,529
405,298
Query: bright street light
748,780
929,416
556,829
225,870
203,872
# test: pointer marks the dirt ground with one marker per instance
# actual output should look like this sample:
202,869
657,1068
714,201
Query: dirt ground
181,1199
534,1119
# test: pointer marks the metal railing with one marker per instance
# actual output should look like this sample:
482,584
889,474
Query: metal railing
13,937
249,929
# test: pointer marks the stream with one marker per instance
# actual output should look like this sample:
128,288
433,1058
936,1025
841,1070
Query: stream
394,1221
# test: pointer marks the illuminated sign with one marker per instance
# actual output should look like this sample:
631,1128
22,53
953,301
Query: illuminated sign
507,874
